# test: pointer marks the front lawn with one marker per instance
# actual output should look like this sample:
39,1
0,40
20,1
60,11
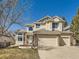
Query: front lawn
16,53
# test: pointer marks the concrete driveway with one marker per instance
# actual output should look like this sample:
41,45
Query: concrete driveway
59,53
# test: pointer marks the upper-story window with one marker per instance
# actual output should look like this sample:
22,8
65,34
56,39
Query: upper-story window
54,25
37,25
19,33
30,28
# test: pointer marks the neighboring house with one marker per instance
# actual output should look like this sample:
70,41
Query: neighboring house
7,39
48,31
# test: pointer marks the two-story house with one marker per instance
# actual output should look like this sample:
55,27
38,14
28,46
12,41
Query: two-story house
48,31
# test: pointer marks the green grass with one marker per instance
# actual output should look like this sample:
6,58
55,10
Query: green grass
16,53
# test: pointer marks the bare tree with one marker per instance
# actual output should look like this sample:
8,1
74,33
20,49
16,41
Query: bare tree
10,12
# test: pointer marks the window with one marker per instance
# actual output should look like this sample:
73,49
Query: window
54,25
30,28
37,25
19,33
19,38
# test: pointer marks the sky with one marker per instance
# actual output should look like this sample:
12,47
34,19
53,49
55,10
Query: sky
41,8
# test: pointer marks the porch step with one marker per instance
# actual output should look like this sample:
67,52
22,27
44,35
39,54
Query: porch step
23,47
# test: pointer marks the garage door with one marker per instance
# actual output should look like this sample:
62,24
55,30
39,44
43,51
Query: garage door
66,40
48,40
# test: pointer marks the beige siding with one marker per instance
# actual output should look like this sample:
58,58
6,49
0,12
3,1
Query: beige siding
48,26
60,26
26,39
35,29
56,20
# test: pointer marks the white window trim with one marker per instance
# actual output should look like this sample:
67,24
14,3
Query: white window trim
22,37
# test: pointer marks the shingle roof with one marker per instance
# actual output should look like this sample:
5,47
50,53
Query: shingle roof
51,32
43,31
67,27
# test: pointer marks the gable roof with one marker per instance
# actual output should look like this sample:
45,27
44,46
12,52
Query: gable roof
66,28
44,18
60,18
49,18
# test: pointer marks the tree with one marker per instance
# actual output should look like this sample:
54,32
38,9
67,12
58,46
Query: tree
75,26
65,24
10,12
